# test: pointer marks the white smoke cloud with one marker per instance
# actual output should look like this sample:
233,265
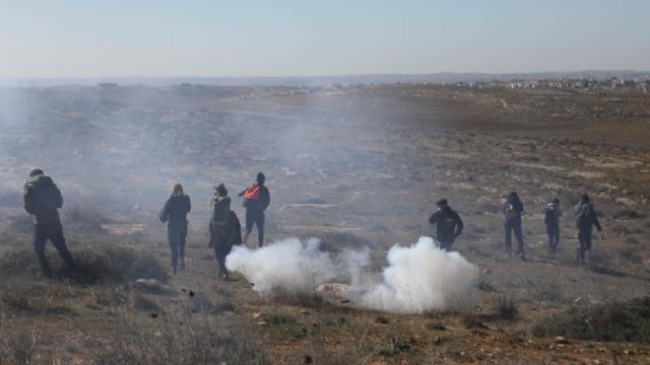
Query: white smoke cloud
423,278
288,265
418,278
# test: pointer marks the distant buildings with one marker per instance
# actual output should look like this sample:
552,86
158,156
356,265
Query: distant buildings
108,85
581,85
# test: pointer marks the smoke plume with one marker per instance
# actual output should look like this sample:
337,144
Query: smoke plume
423,278
418,278
287,265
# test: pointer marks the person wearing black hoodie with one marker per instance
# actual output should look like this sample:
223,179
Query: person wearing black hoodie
175,213
448,224
513,209
225,228
552,215
42,199
586,219
256,199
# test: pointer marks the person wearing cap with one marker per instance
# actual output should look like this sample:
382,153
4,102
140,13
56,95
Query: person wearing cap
42,199
448,224
175,213
552,214
225,228
256,199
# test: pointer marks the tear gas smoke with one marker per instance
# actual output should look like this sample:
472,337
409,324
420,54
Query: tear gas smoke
423,278
287,265
418,278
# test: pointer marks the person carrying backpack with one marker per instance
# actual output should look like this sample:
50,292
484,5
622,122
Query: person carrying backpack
225,229
586,218
552,215
256,199
448,224
513,209
42,199
175,213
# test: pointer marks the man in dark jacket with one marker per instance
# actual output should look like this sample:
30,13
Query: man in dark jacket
256,199
448,224
225,229
513,209
552,215
175,212
586,218
43,199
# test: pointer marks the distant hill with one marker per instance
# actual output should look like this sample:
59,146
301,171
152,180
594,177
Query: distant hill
435,78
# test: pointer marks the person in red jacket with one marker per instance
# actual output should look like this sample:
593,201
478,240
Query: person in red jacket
256,199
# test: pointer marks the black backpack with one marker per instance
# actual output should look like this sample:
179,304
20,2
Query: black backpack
511,211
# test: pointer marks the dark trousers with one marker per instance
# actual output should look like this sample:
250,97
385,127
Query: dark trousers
176,235
53,232
516,227
219,241
255,217
584,237
446,244
220,253
553,231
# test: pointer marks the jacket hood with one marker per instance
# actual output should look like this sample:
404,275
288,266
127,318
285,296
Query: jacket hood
40,180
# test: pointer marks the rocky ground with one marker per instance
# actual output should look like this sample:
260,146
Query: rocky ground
353,166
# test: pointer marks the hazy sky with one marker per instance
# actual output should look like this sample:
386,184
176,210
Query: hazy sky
96,38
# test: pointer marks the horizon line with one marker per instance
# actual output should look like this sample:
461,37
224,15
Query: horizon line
327,75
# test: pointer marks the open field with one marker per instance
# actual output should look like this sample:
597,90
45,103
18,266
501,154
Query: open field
353,166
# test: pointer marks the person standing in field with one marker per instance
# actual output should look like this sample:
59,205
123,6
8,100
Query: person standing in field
225,229
448,224
513,209
174,212
256,199
586,219
42,199
552,215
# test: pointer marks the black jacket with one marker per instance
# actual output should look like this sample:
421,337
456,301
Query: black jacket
262,202
176,209
42,199
586,217
448,224
519,208
223,237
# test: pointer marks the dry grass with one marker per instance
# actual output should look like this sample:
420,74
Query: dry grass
16,347
185,337
116,264
619,322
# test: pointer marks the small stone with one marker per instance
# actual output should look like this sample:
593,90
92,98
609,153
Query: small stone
561,340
